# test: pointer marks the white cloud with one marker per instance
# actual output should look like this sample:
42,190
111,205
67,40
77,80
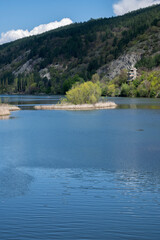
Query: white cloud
17,34
124,6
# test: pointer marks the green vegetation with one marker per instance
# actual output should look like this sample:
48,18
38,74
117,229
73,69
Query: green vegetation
146,85
85,93
149,62
75,53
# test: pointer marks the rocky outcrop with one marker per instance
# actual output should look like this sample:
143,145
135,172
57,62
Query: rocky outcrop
27,67
44,73
5,110
123,62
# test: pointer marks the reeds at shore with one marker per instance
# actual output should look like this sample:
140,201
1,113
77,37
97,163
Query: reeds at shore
99,105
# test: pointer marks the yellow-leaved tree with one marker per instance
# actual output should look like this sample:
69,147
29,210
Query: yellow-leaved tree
85,93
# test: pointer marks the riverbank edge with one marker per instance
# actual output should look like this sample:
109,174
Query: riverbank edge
96,106
6,109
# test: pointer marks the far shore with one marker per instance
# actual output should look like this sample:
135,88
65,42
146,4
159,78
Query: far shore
67,106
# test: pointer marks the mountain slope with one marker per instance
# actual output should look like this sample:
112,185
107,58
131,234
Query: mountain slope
53,61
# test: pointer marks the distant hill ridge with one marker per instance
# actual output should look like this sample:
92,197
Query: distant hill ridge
53,61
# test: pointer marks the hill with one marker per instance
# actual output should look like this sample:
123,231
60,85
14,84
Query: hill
51,62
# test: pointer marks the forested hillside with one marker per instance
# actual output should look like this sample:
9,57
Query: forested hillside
52,62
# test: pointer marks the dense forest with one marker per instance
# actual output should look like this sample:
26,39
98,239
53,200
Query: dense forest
52,62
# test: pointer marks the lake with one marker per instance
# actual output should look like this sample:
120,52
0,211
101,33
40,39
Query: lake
80,174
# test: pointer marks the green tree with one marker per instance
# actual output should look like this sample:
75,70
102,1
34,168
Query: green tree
111,90
68,83
125,90
87,92
142,91
95,78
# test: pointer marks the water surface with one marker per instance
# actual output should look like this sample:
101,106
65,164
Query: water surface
80,174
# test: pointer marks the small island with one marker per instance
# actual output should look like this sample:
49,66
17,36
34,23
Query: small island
84,96
6,109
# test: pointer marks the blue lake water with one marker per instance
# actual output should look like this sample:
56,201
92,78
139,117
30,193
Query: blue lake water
80,174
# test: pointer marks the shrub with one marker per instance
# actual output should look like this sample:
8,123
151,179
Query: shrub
142,91
125,90
111,90
87,92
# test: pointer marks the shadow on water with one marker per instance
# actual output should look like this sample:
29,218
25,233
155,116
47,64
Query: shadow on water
13,182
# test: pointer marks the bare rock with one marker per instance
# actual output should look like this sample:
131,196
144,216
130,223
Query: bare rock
116,66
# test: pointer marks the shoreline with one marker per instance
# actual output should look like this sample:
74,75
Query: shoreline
6,109
96,106
58,95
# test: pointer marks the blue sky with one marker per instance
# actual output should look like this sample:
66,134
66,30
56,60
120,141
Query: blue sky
25,15
15,14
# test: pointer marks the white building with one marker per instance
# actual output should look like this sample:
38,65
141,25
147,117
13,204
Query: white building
132,74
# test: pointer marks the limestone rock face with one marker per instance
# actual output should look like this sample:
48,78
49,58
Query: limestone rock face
27,67
125,61
44,73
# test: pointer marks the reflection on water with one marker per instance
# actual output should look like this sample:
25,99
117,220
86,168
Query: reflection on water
4,117
137,103
84,204
28,101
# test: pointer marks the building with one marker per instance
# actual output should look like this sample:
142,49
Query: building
132,74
